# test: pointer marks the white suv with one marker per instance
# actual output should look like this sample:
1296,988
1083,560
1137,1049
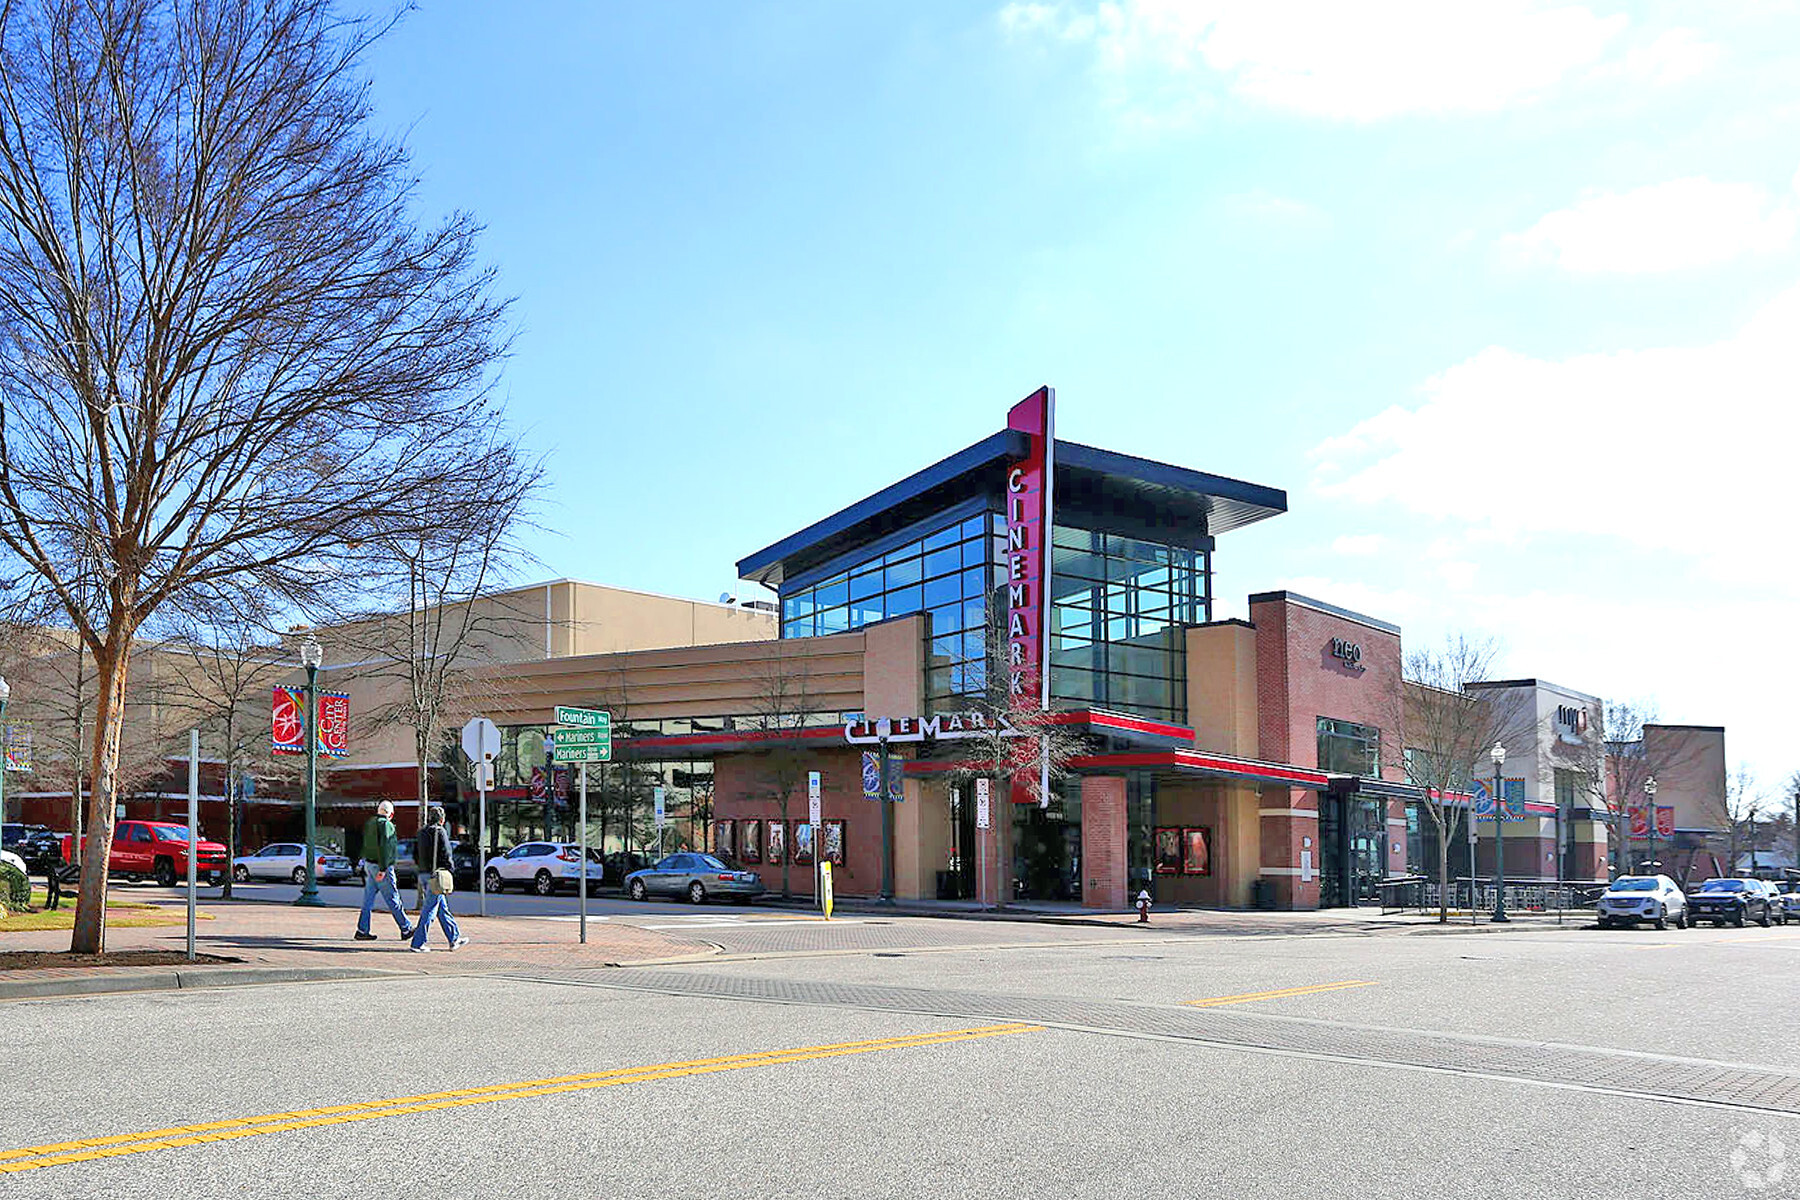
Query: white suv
1634,898
544,867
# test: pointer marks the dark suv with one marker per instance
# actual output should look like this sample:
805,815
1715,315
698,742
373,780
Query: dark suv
1734,900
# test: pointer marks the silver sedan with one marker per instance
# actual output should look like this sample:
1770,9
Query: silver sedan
696,876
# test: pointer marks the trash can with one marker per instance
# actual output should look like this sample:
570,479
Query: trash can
1262,895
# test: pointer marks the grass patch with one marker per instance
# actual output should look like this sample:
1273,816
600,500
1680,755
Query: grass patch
120,914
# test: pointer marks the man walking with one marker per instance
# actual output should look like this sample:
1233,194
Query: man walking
380,849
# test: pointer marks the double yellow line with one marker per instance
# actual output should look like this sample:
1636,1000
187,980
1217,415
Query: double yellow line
1280,993
56,1154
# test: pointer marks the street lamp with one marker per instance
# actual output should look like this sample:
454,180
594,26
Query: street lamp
1650,799
1498,754
311,655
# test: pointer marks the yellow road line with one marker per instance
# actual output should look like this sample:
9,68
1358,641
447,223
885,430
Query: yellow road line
1280,993
83,1150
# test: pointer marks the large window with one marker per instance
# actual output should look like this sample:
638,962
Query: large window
1348,748
1120,605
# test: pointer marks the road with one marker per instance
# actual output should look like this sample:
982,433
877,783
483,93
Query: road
953,1058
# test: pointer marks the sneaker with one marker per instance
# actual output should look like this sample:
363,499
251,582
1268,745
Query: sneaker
459,943
364,936
421,949
406,934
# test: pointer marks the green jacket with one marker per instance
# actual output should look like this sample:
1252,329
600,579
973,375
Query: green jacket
381,842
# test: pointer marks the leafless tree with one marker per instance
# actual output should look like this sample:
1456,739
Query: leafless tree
1738,809
1449,726
230,358
1613,768
1018,744
783,707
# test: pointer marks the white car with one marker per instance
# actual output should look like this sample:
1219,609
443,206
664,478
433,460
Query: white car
544,867
1634,898
287,861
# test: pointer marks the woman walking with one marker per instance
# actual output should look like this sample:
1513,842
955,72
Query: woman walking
433,858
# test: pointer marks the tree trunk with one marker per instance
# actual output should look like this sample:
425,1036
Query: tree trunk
231,833
1443,849
111,667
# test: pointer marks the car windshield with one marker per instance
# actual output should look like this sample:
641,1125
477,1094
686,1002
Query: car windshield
1722,885
1634,885
708,862
170,833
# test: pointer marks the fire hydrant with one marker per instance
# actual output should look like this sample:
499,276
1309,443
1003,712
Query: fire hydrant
1143,907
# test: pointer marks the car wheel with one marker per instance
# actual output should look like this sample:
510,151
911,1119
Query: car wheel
1662,921
494,883
639,891
544,885
165,873
697,892
1738,920
1604,923
241,874
1681,919
1764,919
298,877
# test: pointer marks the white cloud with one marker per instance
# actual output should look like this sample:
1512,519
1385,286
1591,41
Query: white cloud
1357,545
1663,227
1324,58
1676,55
1685,451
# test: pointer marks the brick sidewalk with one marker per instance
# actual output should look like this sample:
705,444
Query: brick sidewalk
281,936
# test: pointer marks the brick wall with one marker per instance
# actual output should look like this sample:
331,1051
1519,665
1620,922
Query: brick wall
1103,841
741,791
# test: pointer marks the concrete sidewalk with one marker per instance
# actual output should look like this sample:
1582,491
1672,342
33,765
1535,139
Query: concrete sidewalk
279,943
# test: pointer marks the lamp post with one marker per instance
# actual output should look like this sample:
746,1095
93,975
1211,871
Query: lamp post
5,741
883,728
1498,754
311,655
1650,802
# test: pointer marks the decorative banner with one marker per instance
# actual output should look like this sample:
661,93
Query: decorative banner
18,748
1639,821
1481,801
1665,822
871,777
289,720
1512,800
538,788
334,724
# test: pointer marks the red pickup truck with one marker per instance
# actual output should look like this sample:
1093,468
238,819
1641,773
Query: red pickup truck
159,850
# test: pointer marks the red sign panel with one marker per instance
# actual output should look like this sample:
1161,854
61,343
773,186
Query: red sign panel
289,720
1029,516
1639,820
1665,822
334,724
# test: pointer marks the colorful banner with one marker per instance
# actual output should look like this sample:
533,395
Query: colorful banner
18,748
1481,801
289,720
1638,821
1665,822
334,724
871,777
1512,801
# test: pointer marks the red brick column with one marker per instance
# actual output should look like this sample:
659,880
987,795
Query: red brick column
1103,842
1290,828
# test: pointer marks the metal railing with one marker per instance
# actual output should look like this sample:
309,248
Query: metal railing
1418,893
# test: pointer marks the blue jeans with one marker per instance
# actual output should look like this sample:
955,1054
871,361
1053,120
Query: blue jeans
389,896
439,906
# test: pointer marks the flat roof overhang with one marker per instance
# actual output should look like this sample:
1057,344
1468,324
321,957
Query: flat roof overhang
1089,480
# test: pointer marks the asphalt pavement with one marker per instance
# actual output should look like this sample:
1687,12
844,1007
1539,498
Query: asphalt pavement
1070,1062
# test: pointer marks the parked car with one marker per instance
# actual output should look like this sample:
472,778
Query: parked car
1777,904
465,865
38,847
1790,898
696,876
544,867
621,863
287,860
160,851
1634,898
14,832
1734,900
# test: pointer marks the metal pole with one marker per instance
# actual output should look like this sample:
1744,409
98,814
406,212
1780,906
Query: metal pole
583,819
887,832
481,833
309,895
1559,863
1500,917
5,746
193,853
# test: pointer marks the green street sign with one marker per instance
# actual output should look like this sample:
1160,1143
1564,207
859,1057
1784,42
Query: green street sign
583,737
581,754
584,718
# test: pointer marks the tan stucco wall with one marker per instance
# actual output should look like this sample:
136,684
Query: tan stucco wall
1222,688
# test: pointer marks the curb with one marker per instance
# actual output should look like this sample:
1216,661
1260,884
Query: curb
166,979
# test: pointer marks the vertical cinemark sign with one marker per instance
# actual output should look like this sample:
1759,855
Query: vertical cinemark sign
1029,483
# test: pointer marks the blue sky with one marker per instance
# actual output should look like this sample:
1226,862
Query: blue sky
1506,296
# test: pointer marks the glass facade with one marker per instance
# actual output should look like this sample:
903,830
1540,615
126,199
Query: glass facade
1119,605
1348,748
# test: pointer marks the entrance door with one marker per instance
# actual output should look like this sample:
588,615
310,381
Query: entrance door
1046,854
1351,829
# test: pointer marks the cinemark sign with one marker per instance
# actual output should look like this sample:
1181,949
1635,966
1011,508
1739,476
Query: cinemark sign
1028,518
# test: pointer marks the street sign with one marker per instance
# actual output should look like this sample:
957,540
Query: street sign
583,718
812,797
582,737
481,740
580,754
984,818
484,777
660,810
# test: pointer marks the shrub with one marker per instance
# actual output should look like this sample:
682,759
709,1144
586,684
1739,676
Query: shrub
15,889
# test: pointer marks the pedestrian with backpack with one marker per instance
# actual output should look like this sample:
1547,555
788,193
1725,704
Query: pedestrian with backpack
438,880
380,851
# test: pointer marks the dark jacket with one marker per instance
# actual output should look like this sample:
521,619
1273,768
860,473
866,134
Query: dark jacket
433,852
381,843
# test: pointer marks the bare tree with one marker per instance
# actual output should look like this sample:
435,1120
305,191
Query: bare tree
1021,747
229,356
1738,808
1449,725
783,707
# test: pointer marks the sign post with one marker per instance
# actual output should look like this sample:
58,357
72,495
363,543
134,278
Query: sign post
193,846
481,742
584,735
582,818
657,796
814,813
